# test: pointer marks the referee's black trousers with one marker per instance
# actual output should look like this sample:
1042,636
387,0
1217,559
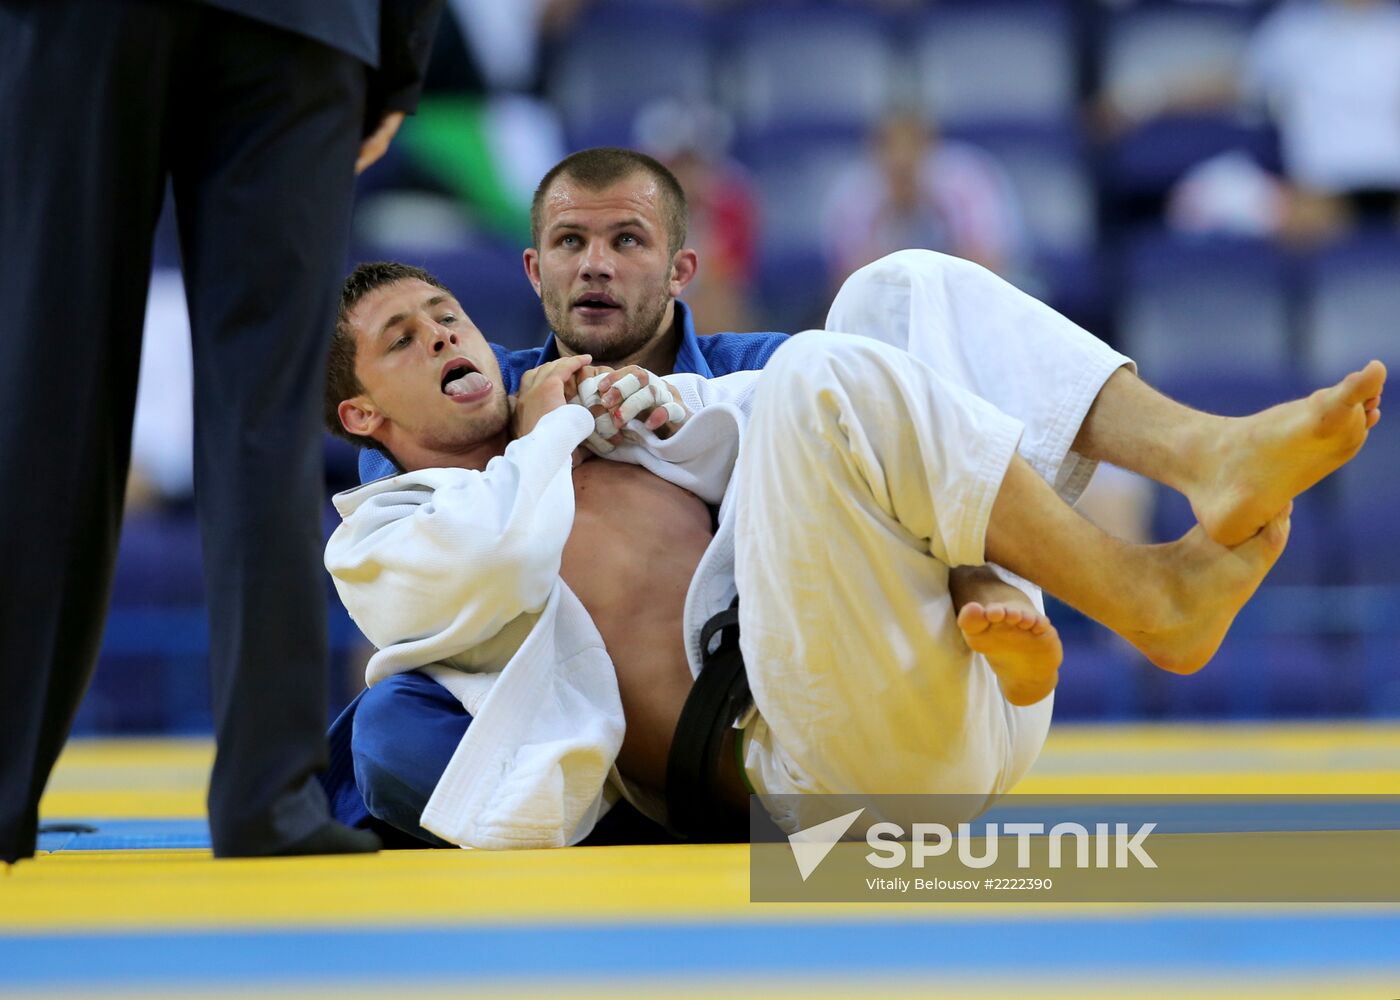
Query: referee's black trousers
102,101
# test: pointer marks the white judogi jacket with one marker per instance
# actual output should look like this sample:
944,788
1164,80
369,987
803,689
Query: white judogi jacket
457,571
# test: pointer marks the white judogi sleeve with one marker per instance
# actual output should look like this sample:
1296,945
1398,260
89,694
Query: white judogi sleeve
435,562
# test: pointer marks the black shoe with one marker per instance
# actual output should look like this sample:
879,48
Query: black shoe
331,838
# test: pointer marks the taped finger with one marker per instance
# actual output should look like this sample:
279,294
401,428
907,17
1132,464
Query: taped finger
642,399
597,444
588,392
627,385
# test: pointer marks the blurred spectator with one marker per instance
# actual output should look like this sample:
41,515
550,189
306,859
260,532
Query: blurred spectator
916,189
693,142
1139,91
1329,73
1232,195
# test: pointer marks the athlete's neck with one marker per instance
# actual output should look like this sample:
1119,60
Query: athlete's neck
414,457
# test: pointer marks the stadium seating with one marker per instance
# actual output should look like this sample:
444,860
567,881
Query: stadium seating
793,169
1368,508
1208,306
1354,303
1350,318
1048,167
1157,50
622,55
1157,62
1143,164
1000,61
1102,678
828,64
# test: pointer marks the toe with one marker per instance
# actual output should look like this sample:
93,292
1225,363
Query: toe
972,619
1275,534
1362,385
1263,549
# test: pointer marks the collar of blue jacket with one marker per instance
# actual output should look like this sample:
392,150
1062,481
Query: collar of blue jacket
708,356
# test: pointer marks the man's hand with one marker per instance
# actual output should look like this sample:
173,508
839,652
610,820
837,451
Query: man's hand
545,389
649,400
617,397
376,144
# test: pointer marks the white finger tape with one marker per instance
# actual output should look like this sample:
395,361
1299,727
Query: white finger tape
642,399
627,385
588,391
598,445
604,426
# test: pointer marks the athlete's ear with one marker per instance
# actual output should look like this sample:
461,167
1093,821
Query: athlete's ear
360,416
684,265
532,267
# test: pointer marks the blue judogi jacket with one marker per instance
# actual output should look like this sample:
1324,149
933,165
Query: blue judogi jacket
709,356
715,354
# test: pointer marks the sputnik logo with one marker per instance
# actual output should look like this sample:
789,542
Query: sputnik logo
811,846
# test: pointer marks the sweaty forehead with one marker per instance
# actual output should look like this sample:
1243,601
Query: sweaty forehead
569,201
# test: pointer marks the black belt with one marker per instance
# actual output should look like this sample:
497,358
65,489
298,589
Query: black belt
695,810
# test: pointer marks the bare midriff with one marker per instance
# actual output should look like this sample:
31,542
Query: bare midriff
635,544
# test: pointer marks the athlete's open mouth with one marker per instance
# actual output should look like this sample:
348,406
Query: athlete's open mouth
596,300
461,378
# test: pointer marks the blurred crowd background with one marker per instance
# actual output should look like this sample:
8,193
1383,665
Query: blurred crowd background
1213,187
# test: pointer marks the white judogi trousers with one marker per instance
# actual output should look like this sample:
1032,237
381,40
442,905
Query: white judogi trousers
864,474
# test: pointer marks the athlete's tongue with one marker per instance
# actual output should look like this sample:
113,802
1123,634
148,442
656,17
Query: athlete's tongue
469,383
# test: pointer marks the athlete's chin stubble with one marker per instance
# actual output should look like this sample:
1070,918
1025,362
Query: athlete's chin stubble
619,345
479,427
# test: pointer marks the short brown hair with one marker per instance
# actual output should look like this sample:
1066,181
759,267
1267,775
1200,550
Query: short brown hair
602,166
341,381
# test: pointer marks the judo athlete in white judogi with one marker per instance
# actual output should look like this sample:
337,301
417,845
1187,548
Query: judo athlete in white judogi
850,477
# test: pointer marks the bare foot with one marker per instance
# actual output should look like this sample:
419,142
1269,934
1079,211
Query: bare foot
1002,624
1252,470
1021,645
1205,584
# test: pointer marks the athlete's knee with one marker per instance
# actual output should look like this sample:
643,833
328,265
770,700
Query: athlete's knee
814,367
896,273
405,732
